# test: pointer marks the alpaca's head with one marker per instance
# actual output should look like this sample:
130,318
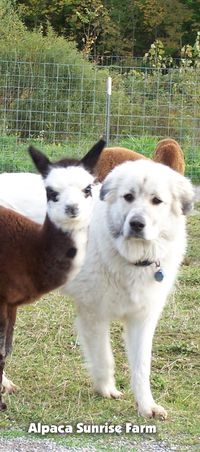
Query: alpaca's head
69,196
68,187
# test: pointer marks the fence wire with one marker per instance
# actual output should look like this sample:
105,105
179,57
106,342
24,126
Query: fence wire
67,106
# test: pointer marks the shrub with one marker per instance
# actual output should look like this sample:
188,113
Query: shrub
48,89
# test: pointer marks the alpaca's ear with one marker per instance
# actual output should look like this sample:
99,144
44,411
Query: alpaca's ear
90,160
40,160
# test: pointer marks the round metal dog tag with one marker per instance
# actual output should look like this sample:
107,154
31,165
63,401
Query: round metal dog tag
159,275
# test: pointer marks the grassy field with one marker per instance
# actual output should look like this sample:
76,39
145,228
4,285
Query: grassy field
14,156
48,367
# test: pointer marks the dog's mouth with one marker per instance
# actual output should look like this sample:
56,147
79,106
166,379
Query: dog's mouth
136,235
116,234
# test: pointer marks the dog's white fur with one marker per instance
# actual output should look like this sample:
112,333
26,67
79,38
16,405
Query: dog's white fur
109,285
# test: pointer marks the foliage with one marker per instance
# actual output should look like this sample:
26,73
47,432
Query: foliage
156,56
50,91
114,27
11,27
190,55
89,19
43,78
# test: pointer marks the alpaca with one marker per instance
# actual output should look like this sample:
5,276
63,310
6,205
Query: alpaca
28,195
112,157
167,152
36,259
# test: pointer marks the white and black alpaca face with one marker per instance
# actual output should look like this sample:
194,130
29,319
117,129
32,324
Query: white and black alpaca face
69,197
68,184
145,200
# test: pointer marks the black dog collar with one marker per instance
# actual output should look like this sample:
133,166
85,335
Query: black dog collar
143,263
158,275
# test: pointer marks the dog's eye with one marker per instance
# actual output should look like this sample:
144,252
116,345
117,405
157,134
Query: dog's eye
88,191
52,195
156,201
129,197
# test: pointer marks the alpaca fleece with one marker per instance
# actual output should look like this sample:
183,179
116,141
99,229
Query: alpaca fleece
167,152
45,263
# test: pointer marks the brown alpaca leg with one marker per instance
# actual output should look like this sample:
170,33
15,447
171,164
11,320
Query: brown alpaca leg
2,364
7,385
3,328
12,312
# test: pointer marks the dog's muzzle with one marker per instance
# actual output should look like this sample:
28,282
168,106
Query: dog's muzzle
136,226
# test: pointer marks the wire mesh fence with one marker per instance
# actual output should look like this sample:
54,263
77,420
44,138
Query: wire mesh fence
67,106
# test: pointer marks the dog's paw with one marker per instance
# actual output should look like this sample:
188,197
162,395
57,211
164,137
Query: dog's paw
108,391
8,386
152,411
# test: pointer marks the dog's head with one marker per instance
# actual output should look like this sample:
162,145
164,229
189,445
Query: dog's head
145,200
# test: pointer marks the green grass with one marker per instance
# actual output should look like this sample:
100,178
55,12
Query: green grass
14,156
54,387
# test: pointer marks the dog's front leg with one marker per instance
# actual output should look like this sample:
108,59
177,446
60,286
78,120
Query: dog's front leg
139,334
95,340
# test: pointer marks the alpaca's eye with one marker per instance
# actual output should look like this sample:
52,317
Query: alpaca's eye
52,195
129,197
156,201
88,191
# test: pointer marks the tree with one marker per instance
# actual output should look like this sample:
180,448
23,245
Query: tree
116,27
11,27
90,19
165,19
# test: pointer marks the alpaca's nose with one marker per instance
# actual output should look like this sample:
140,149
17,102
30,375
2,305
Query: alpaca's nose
72,210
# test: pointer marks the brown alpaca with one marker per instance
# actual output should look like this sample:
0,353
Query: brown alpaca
167,152
36,259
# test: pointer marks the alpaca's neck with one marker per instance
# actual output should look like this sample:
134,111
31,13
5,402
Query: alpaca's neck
55,259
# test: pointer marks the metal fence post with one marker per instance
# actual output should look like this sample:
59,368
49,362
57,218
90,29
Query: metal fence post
108,102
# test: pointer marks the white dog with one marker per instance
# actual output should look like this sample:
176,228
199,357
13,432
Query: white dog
137,241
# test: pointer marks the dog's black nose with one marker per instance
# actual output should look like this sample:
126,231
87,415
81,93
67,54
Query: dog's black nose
72,210
137,224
